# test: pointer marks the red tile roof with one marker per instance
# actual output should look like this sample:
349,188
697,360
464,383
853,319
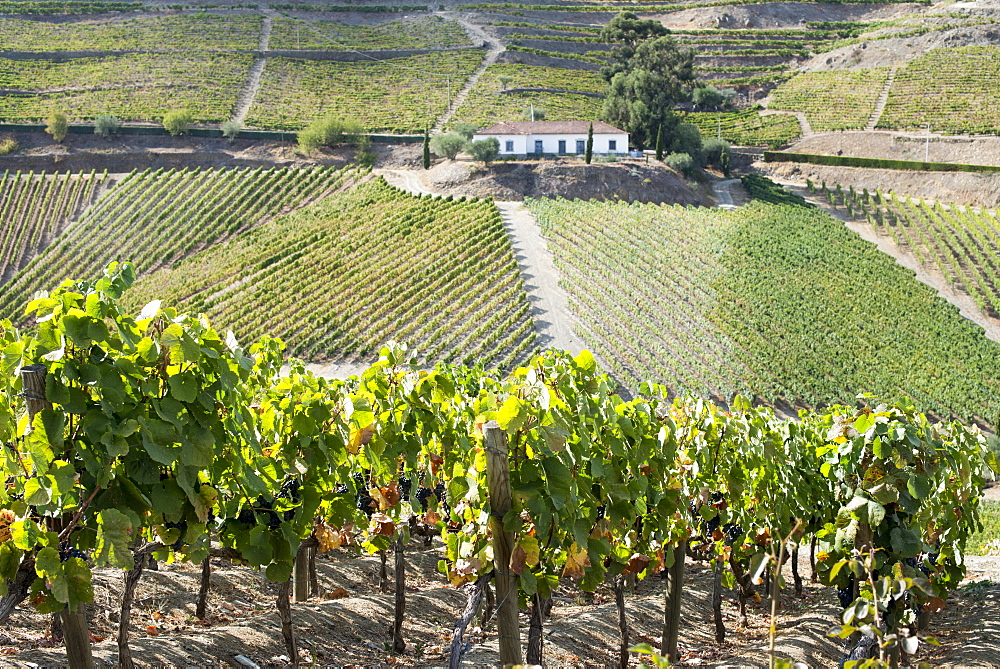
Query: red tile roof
550,128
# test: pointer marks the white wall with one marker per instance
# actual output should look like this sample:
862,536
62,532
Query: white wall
525,144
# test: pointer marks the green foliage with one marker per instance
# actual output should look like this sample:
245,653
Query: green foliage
686,138
410,33
57,125
643,90
330,130
533,113
466,130
589,150
712,97
877,163
485,150
427,150
231,129
682,162
448,145
717,152
106,125
768,273
8,145
178,122
661,143
986,541
761,188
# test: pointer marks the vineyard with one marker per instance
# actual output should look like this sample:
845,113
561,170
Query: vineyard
139,86
833,100
747,127
177,32
709,293
487,103
394,95
961,243
158,217
544,481
452,290
421,33
35,208
951,89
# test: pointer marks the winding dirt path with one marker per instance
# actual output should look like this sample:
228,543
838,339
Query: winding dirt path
803,121
252,87
724,193
476,34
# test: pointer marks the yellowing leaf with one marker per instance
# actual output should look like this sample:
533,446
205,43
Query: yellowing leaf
525,553
577,560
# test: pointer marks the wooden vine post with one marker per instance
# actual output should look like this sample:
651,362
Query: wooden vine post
301,577
74,621
672,603
498,478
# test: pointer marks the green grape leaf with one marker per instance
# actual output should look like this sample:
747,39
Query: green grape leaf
79,587
918,486
279,572
904,542
114,533
183,387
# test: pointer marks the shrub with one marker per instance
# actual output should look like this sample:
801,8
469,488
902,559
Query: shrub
231,129
714,149
330,131
8,145
178,122
106,125
57,125
686,138
682,163
448,145
466,130
485,150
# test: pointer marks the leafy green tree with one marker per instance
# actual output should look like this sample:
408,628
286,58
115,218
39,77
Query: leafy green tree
660,144
589,151
504,81
686,138
106,125
427,150
231,129
717,152
643,91
330,131
681,162
448,145
57,125
626,31
178,122
485,150
466,130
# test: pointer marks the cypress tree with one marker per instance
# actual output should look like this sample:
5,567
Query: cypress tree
427,150
660,148
590,144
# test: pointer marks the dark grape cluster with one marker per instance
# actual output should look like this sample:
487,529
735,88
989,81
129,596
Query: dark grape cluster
365,502
732,532
182,526
66,552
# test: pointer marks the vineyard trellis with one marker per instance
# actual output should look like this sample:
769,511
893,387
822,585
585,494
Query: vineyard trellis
177,435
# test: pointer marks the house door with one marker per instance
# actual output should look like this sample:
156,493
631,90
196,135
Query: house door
581,146
538,146
562,146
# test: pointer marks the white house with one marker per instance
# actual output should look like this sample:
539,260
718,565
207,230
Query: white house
524,138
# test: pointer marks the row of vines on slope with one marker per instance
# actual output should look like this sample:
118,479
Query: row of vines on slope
775,300
158,433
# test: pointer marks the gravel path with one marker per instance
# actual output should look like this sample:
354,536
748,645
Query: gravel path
549,305
724,193
249,93
476,33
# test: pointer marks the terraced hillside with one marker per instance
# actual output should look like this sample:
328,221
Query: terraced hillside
775,300
339,278
158,217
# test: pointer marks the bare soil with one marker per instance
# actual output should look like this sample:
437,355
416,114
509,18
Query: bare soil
780,15
348,624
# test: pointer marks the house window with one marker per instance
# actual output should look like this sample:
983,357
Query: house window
509,146
612,145
562,146
538,146
581,146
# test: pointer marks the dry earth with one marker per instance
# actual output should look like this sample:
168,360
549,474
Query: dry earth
348,624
